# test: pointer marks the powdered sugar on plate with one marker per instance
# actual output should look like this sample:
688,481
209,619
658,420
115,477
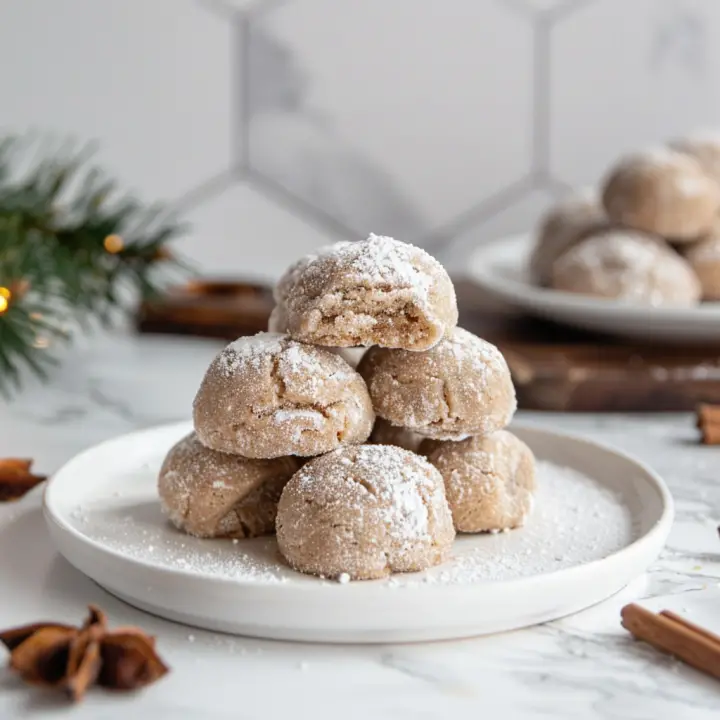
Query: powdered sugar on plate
575,520
139,531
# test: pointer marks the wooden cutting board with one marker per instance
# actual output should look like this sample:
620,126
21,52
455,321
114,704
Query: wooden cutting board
554,367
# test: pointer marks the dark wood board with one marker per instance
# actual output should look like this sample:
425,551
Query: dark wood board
554,367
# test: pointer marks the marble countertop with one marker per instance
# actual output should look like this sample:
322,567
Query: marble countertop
584,666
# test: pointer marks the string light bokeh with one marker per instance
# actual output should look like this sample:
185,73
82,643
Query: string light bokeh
114,244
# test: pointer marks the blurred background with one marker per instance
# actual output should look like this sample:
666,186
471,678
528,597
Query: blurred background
275,126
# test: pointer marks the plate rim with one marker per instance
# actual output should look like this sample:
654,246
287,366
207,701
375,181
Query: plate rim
658,533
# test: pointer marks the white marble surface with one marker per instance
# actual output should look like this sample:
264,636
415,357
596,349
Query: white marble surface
584,666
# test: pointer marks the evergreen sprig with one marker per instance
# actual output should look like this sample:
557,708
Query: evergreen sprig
73,248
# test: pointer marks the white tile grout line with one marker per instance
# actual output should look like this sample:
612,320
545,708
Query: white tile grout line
241,166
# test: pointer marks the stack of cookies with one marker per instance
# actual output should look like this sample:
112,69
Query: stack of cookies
366,428
650,236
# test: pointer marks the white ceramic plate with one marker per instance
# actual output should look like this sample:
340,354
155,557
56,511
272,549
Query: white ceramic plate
588,536
499,267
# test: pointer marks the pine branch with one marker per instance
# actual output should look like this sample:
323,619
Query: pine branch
72,246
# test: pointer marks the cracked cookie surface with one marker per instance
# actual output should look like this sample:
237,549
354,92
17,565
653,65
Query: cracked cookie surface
461,387
213,494
365,511
377,291
268,396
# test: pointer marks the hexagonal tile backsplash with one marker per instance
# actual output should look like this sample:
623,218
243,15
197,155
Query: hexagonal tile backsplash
276,125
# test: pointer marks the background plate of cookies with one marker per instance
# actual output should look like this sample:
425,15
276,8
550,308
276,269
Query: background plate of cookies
639,257
351,476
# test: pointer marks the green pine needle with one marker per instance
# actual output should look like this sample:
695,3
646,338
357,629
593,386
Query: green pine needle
55,216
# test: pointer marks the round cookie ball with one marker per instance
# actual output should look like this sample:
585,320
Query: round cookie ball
627,266
366,511
563,226
211,494
705,148
460,387
704,259
267,396
489,481
663,192
386,434
374,292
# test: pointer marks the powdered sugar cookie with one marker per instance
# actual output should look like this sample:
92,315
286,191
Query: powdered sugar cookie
567,223
212,494
663,192
705,148
364,512
267,396
460,387
489,481
704,259
627,266
375,292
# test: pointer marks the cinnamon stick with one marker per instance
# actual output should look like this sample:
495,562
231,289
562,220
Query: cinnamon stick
708,414
680,620
710,434
708,422
675,636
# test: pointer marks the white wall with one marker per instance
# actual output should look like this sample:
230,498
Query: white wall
279,125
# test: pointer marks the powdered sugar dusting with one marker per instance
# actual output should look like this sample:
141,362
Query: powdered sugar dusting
692,186
391,481
297,422
313,417
377,291
575,520
482,355
290,276
249,350
383,260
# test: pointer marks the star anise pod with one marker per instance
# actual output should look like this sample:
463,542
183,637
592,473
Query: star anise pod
16,478
73,659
